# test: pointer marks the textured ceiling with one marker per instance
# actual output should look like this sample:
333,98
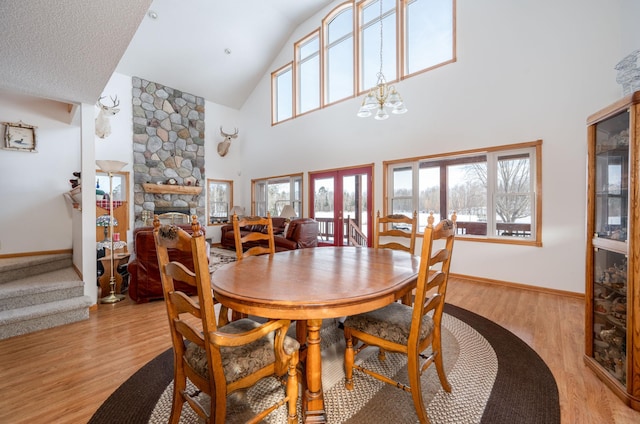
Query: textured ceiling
68,50
64,50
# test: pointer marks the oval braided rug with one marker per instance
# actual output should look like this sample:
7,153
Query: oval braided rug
495,376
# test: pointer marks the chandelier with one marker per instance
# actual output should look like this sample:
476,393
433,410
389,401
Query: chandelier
382,96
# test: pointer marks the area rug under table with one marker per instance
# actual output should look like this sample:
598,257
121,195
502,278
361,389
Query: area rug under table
496,378
219,257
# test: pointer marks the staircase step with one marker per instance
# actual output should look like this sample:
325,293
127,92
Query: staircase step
12,269
43,288
40,292
29,319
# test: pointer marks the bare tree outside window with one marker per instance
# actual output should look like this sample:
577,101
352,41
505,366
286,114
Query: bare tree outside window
513,200
469,197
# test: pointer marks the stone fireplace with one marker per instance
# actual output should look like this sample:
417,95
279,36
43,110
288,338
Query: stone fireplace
168,151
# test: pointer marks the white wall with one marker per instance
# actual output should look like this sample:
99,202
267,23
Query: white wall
630,12
526,70
34,215
84,225
228,167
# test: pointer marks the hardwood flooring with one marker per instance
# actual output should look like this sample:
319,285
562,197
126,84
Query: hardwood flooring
63,375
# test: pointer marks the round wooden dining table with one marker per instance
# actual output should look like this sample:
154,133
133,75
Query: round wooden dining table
309,285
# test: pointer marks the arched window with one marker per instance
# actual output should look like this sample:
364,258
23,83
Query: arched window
338,54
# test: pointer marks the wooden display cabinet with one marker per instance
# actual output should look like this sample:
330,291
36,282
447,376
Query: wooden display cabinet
121,204
612,329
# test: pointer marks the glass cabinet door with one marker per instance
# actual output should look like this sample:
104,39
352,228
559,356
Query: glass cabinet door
611,214
610,312
611,178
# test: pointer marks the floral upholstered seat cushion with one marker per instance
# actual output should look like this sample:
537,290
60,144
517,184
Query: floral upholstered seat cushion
240,361
392,323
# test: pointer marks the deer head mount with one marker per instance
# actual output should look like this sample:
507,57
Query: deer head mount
223,146
103,125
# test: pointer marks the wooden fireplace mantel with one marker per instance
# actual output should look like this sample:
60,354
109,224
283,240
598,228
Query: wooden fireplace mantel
170,189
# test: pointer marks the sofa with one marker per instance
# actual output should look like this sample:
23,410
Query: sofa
300,233
144,274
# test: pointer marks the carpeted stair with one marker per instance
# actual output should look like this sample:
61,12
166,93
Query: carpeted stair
39,292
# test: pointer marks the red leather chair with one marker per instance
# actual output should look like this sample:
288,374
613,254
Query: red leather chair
144,274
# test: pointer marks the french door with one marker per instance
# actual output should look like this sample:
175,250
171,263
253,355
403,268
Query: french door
340,201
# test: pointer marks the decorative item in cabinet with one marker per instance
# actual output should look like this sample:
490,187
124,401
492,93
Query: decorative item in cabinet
612,327
610,297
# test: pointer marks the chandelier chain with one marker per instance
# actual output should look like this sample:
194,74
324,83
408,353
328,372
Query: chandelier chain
381,37
382,95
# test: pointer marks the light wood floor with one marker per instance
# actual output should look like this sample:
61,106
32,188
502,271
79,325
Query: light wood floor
63,375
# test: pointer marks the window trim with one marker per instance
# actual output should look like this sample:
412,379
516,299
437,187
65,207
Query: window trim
230,204
536,240
296,71
292,178
402,25
274,93
325,46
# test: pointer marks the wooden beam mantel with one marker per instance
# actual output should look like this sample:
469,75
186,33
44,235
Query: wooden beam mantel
171,189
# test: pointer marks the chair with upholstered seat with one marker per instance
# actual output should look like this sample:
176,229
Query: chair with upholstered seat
409,329
390,232
218,360
262,241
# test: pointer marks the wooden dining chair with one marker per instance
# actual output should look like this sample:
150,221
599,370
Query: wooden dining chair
409,329
390,232
218,360
261,242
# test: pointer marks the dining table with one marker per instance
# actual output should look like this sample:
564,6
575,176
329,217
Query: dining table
313,284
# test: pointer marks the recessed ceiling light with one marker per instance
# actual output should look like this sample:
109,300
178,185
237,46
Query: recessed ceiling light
152,14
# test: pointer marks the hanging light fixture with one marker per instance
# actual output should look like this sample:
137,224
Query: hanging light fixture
382,96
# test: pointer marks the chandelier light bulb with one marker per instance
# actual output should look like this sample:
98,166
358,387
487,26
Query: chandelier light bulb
381,115
364,112
400,110
370,102
394,100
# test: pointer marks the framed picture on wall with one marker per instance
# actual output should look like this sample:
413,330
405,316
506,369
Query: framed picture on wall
19,136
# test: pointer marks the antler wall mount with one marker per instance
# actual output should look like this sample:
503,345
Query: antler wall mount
223,146
103,125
